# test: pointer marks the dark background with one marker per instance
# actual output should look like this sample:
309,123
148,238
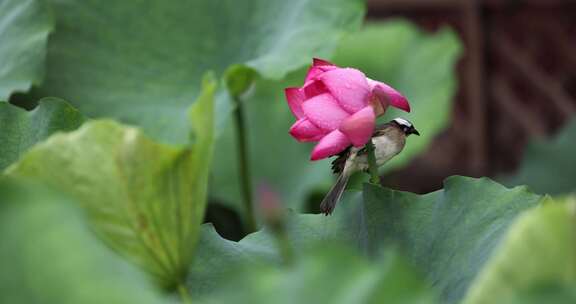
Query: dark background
517,81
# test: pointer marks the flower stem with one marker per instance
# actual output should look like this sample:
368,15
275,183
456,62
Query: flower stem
284,247
372,166
244,167
184,295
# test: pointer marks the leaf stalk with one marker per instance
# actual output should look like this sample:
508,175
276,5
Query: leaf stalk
244,167
372,166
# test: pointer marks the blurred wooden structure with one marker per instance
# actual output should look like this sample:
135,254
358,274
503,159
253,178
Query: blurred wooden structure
517,80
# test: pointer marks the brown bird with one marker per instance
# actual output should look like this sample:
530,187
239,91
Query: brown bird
389,140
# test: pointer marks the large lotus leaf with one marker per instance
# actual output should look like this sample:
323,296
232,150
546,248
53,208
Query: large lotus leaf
144,198
448,234
49,255
538,255
548,164
20,129
421,66
326,273
141,61
24,29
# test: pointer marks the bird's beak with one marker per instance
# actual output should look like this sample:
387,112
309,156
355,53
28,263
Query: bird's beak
414,131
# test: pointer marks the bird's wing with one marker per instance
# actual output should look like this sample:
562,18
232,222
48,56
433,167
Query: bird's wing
340,161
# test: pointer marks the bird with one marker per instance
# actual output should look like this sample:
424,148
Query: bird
389,139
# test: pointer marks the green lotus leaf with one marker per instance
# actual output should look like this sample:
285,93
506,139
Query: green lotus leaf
20,129
326,273
24,29
145,199
141,62
50,255
448,235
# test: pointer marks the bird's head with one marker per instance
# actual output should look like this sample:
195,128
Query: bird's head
406,126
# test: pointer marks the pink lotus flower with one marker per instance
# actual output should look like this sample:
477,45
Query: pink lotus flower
338,107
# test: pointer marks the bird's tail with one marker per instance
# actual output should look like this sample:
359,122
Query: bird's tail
331,199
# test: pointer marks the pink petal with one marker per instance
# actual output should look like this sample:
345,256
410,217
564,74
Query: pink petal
314,88
318,61
295,98
317,69
331,144
312,73
304,130
323,111
360,126
348,86
387,95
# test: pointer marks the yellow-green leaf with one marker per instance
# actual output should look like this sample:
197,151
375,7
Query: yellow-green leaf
145,199
538,253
